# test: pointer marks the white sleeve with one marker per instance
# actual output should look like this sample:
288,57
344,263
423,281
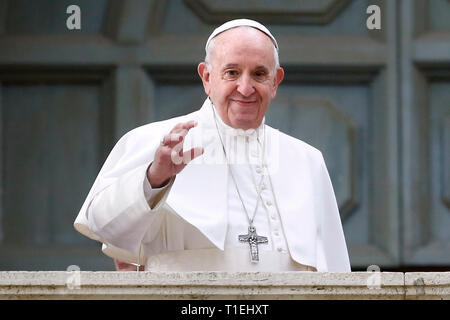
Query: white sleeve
122,213
155,196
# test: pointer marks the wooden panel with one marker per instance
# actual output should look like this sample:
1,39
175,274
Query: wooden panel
176,99
440,156
52,155
49,16
309,114
384,157
54,135
132,92
1,164
426,74
414,172
3,13
127,20
435,248
54,257
383,167
445,160
278,12
438,15
347,19
432,48
430,28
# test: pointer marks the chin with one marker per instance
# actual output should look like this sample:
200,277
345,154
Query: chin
245,123
244,117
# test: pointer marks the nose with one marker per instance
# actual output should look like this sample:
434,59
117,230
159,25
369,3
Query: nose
245,85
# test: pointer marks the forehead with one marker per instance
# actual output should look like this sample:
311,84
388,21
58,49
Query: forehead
245,44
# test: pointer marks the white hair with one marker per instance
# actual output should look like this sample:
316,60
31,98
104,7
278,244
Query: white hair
210,47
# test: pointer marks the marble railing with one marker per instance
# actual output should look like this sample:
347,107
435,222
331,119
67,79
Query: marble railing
223,285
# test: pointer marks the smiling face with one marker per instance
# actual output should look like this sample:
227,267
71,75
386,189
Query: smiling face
242,79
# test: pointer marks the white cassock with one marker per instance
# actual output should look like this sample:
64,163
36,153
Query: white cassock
193,223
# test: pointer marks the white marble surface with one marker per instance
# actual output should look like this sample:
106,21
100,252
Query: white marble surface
223,285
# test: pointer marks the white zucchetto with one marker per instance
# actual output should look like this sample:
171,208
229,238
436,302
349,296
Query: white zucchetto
240,23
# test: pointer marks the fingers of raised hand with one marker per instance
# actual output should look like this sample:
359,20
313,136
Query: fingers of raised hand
178,133
173,143
172,139
184,127
178,157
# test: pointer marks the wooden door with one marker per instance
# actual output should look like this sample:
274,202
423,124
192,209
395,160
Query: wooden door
375,102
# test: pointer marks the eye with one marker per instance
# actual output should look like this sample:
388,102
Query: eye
260,75
231,74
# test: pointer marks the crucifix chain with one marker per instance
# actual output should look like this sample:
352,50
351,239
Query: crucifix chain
252,237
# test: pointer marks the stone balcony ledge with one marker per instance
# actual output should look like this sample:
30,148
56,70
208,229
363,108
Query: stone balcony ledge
223,285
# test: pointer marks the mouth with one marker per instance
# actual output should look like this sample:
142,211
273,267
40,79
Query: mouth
244,102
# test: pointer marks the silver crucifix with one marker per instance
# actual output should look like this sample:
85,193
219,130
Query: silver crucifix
253,240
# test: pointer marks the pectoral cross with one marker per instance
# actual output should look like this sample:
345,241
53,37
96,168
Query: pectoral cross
253,240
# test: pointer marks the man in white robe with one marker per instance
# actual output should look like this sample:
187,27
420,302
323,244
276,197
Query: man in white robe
183,193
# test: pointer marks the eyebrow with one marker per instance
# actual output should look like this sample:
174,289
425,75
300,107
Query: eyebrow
262,68
231,65
235,65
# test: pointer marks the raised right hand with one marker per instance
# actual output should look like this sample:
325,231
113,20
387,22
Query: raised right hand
170,158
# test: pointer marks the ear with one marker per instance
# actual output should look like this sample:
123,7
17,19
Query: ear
278,78
204,74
